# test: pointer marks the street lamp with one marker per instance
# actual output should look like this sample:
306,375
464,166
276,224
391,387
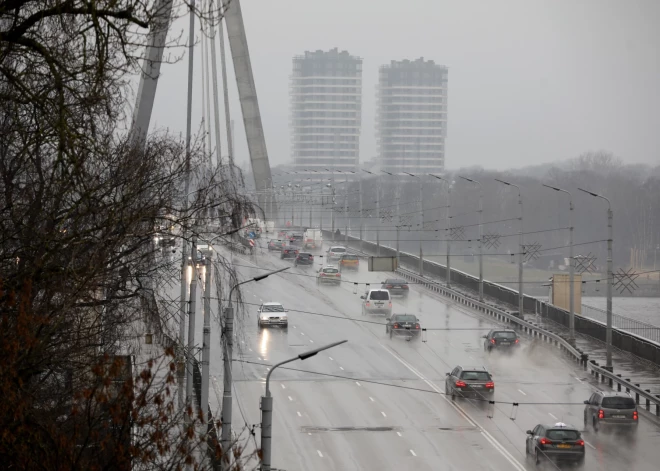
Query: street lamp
228,333
481,236
571,321
267,406
377,209
521,311
421,208
448,241
610,236
398,215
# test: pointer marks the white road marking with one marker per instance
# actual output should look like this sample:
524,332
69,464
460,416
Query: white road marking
357,382
302,333
311,341
578,379
398,433
283,387
267,369
412,452
522,392
295,327
319,452
341,368
592,447
497,445
290,398
309,433
299,414
371,399
552,416
259,358
330,358
384,415
249,349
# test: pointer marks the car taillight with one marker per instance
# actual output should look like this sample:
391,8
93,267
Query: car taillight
601,414
396,326
492,341
490,385
517,341
390,303
311,257
405,287
580,443
388,286
367,304
338,274
322,274
416,326
286,251
545,441
635,415
460,384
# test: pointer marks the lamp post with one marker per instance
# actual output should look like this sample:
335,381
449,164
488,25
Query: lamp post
398,216
228,334
448,242
377,209
571,322
421,210
481,236
522,249
267,406
610,236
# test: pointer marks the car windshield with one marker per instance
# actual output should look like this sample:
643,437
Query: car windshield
349,257
305,255
296,237
405,318
330,270
394,281
380,295
563,434
475,375
272,308
338,249
505,335
617,402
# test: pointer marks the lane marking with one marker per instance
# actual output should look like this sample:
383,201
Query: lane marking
259,358
267,369
399,434
299,414
522,392
357,382
371,399
412,452
309,433
290,398
593,447
330,358
497,445
341,368
319,452
295,327
283,387
311,341
578,379
552,416
302,333
384,415
249,349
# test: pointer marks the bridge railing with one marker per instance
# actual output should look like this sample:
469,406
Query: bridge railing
620,322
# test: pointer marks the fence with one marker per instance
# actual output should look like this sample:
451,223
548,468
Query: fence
633,326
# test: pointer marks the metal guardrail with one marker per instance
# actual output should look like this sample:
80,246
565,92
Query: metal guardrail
635,327
535,331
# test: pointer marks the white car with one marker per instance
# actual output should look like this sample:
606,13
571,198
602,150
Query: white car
377,301
272,314
335,253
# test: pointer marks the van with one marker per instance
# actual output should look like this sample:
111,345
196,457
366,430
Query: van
312,238
377,301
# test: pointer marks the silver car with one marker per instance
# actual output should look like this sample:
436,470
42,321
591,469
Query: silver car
612,410
335,253
272,314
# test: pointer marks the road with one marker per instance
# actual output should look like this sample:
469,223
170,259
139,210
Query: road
378,403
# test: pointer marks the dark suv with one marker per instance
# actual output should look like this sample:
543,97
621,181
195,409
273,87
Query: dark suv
304,259
289,252
611,409
470,382
558,443
501,339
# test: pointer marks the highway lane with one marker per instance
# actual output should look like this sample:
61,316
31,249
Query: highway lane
432,430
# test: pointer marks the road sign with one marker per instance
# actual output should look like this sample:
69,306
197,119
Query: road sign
251,243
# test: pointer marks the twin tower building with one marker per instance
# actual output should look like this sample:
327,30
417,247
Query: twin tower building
326,114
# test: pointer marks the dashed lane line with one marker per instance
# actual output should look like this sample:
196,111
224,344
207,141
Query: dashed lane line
412,452
553,416
319,452
522,392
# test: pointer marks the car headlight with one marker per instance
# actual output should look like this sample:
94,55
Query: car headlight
283,317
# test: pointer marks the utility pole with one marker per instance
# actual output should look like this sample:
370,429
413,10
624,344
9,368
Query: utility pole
362,216
421,211
206,346
378,218
398,218
521,253
481,236
228,337
346,209
216,102
191,327
448,235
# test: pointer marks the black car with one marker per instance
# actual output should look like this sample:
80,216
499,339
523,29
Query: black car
304,259
396,286
289,252
559,443
501,339
275,244
470,382
296,239
403,324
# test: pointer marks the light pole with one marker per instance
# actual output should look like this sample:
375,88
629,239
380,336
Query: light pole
377,210
192,306
398,215
267,406
522,250
421,210
228,334
481,236
206,341
610,236
571,321
448,242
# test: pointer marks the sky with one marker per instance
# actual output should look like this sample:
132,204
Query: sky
530,81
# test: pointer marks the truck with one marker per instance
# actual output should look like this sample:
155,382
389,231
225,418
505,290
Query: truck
312,239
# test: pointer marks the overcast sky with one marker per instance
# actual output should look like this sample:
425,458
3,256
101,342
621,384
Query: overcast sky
530,81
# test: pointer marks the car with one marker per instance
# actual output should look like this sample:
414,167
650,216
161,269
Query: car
200,259
349,261
282,234
275,244
296,239
377,301
272,314
403,324
470,382
304,259
558,443
396,286
335,253
501,339
313,238
328,275
611,409
289,252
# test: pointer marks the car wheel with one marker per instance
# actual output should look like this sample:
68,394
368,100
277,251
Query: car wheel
285,326
387,330
537,458
586,422
391,333
594,423
259,325
580,463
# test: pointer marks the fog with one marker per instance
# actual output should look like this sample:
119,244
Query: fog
529,81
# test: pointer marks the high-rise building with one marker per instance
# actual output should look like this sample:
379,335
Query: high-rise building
412,116
326,106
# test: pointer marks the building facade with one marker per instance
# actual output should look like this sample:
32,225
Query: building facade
411,122
326,112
